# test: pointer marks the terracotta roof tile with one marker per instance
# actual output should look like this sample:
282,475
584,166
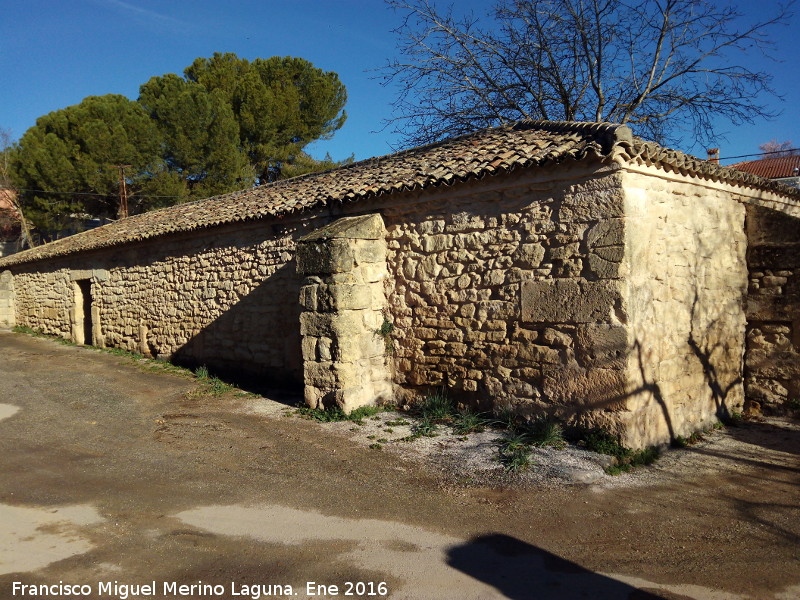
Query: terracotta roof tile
486,152
771,168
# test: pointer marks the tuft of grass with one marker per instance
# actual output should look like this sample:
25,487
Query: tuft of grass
331,414
733,419
123,353
515,452
437,407
506,419
545,432
25,329
602,442
219,387
36,333
636,458
425,427
214,384
465,421
683,442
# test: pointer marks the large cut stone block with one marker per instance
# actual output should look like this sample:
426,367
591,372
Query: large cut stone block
350,297
370,251
330,256
604,346
585,388
569,301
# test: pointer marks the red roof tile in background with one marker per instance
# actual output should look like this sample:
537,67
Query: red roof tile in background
771,168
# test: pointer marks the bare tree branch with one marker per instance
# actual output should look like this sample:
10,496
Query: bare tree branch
667,67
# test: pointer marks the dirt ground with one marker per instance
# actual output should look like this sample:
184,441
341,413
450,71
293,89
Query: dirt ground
131,483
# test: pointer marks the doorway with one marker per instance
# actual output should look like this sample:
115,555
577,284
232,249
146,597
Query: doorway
83,311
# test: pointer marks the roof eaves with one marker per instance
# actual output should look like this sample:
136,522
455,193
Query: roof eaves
470,155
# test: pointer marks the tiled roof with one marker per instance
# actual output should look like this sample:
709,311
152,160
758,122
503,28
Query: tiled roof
771,168
474,156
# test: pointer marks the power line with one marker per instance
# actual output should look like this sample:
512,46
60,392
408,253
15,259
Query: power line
762,153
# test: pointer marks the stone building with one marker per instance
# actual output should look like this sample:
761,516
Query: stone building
566,269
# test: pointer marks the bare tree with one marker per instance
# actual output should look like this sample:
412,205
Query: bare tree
661,66
774,148
6,183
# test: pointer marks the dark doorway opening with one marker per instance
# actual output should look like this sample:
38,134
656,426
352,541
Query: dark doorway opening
85,287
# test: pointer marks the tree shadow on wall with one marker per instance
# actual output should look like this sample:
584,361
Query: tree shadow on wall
521,571
704,353
707,354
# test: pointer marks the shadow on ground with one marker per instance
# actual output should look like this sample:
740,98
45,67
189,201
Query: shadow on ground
781,436
521,571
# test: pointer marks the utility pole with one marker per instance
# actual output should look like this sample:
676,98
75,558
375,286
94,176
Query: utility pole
123,192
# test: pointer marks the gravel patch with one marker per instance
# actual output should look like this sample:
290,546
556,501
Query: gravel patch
473,459
464,460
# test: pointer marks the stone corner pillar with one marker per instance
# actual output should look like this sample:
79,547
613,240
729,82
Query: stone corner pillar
343,305
7,311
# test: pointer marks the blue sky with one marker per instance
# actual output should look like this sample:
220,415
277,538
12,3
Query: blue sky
53,53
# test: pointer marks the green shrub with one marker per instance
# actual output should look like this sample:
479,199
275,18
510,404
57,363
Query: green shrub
602,442
385,333
218,387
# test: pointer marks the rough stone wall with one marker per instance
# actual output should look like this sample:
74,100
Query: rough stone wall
508,296
772,366
7,316
44,297
227,298
343,300
685,257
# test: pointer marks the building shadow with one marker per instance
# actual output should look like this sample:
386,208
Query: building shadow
521,571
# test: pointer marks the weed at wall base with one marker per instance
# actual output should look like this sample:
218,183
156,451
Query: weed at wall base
602,442
334,414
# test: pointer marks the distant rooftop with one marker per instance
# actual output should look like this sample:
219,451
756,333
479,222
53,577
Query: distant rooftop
772,168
